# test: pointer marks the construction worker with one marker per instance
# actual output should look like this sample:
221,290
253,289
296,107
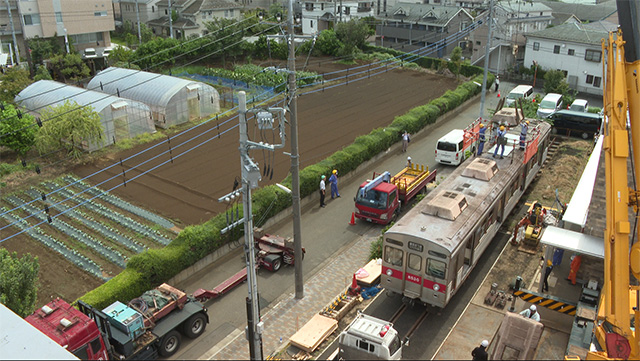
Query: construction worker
523,134
334,184
480,353
547,273
406,138
322,191
409,164
576,260
532,313
481,138
500,142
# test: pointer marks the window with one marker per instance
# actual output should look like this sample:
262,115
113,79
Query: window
226,13
556,49
347,10
393,256
478,43
436,268
571,52
81,353
596,81
415,262
231,12
31,19
58,17
166,12
308,6
153,9
536,46
96,346
322,6
593,55
100,13
589,79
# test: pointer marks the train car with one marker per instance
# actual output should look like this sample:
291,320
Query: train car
430,251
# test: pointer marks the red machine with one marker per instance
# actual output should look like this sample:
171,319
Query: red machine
379,200
272,252
148,326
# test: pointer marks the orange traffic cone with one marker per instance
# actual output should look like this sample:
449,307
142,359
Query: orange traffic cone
498,93
353,219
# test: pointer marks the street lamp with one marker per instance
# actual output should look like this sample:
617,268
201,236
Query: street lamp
66,40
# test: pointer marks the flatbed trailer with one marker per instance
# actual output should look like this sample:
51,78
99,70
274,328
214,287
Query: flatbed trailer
411,180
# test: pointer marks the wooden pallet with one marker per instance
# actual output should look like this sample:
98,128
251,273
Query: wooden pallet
311,335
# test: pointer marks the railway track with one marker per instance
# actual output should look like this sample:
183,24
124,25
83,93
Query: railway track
416,324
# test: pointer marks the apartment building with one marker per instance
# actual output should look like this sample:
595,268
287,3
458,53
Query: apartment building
85,24
318,15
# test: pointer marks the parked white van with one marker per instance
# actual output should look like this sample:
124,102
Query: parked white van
519,92
453,148
579,105
369,338
549,104
89,53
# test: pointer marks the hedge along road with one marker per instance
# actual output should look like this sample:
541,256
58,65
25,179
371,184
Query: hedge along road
187,189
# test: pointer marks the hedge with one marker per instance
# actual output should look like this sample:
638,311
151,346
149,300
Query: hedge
152,267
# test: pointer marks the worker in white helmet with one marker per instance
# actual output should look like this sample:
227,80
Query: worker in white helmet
409,164
532,313
480,352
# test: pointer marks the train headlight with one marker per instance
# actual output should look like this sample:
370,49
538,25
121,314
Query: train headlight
436,287
389,272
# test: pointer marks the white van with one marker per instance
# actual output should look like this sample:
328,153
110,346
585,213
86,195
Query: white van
519,92
549,104
369,338
89,53
453,148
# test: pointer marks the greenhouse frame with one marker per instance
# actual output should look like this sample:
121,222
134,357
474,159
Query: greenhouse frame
121,118
172,100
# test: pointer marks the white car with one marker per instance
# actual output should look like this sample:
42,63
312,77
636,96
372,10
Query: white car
549,104
89,53
579,105
106,52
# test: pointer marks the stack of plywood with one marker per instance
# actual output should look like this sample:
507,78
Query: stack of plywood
371,275
311,335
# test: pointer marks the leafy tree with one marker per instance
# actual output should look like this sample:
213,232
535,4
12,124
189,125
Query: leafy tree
66,126
42,73
18,282
328,43
229,36
554,82
69,67
156,52
120,54
146,33
353,35
131,40
43,48
13,82
18,133
456,60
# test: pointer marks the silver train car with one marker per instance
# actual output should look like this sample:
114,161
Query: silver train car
431,250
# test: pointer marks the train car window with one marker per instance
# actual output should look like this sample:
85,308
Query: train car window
438,254
393,256
393,241
415,262
436,268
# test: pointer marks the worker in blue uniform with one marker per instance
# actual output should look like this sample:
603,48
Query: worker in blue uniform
334,184
501,142
481,138
523,134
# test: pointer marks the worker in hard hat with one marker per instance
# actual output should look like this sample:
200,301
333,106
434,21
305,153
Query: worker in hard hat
480,352
501,141
481,138
547,273
532,313
322,191
409,163
523,133
334,184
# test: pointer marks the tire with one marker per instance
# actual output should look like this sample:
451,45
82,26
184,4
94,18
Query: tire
585,135
194,326
170,344
275,261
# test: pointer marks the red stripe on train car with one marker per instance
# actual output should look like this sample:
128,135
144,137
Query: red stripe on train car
394,273
429,284
413,278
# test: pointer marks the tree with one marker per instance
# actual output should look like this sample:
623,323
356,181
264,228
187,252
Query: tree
328,42
43,48
13,82
42,73
456,60
67,126
554,82
18,282
353,35
120,54
17,133
228,35
69,67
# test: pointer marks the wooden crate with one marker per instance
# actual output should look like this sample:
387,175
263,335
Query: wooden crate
311,335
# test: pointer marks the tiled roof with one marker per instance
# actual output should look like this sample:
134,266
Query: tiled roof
577,33
422,13
582,11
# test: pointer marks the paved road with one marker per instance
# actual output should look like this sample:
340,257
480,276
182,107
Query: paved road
325,231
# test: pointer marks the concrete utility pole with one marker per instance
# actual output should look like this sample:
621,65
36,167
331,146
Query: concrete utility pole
170,21
487,53
13,32
295,159
138,17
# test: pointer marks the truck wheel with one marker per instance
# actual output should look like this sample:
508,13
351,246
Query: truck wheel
275,261
194,326
170,344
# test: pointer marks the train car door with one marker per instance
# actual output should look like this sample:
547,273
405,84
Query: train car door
413,271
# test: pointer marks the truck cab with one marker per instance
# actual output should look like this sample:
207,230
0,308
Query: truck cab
378,204
369,338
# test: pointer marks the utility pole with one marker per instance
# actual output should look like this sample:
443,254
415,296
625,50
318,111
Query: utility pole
487,53
295,160
170,21
138,16
13,33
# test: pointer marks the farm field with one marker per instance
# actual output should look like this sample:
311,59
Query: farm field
185,191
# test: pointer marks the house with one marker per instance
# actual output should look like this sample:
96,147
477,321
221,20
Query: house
85,24
318,15
120,118
584,12
409,26
575,49
147,11
172,100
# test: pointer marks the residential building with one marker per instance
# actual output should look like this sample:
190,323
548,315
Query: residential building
563,11
409,26
318,15
85,24
147,11
574,49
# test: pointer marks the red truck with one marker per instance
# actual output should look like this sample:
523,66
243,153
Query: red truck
147,327
379,200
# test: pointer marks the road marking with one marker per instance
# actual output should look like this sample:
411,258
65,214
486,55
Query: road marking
209,355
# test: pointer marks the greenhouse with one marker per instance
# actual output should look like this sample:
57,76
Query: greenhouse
172,100
121,118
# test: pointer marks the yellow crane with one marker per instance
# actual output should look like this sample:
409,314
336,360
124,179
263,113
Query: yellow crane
615,336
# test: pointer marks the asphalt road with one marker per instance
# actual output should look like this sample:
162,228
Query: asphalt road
324,232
